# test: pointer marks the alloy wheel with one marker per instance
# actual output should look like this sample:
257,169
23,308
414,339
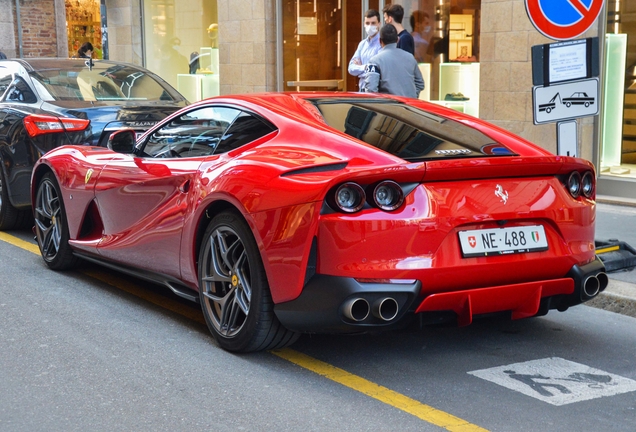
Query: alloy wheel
47,218
226,281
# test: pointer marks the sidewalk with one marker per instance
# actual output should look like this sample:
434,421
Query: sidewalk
619,297
617,220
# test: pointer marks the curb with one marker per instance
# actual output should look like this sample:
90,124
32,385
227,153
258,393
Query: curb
618,297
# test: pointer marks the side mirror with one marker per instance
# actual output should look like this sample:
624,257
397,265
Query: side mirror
122,141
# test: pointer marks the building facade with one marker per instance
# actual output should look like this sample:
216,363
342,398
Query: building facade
475,56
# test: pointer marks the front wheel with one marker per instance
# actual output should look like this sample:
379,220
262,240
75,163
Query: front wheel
51,227
233,289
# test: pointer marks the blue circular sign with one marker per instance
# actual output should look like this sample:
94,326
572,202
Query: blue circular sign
564,12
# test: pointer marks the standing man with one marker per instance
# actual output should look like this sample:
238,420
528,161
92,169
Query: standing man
368,47
393,70
393,14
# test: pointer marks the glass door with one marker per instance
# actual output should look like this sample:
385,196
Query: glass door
314,45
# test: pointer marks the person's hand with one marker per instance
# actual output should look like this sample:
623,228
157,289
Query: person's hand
356,61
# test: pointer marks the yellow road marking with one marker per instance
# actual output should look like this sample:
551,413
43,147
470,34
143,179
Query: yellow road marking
354,382
607,249
383,394
118,282
19,243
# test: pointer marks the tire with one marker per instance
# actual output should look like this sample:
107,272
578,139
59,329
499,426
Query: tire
235,297
9,215
51,226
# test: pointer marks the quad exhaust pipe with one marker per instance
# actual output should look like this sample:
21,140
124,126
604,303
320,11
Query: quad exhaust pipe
385,308
358,309
595,284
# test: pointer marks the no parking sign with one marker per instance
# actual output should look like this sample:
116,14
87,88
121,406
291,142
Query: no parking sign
563,19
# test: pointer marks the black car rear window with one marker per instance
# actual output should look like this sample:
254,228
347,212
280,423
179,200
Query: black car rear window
406,131
102,82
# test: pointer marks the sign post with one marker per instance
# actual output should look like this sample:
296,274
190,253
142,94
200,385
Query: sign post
565,74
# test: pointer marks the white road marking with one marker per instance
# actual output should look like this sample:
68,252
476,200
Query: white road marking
557,381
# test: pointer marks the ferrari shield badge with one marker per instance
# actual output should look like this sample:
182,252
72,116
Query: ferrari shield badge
88,175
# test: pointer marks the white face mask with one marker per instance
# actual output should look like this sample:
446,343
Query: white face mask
427,29
371,30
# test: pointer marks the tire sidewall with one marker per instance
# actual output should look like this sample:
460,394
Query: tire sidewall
260,296
64,258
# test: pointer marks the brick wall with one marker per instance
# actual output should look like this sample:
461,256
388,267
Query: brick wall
39,35
507,37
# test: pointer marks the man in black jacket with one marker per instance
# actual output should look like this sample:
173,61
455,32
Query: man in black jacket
393,14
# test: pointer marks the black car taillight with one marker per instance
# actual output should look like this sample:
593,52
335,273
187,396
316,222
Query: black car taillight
43,124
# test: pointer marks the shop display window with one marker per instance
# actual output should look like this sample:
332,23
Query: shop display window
446,36
84,24
181,45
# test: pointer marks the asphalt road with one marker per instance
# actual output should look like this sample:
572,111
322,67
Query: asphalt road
94,350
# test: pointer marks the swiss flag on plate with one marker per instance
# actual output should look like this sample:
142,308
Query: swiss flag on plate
472,241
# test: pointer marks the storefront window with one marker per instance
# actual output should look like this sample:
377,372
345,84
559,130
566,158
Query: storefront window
618,152
181,45
83,24
446,36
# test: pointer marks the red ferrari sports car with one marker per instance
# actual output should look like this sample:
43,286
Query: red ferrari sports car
326,212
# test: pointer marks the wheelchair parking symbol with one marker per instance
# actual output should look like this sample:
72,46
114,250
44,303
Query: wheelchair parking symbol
557,381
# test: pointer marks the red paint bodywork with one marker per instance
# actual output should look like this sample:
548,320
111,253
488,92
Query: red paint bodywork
151,210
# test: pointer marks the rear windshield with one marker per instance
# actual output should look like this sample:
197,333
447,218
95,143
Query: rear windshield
406,131
105,82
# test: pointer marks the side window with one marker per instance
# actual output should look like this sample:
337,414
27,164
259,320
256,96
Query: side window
245,129
20,92
195,133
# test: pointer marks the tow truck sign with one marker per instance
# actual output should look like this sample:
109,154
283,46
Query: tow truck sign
565,101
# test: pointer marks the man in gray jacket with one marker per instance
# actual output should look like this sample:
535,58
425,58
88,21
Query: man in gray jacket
393,70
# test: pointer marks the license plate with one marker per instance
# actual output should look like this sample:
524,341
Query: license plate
500,241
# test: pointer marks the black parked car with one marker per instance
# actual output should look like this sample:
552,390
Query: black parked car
46,103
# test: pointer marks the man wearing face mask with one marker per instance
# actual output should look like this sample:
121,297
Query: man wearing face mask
367,48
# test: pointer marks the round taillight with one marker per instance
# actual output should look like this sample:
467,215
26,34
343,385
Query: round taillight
574,184
587,184
388,195
349,197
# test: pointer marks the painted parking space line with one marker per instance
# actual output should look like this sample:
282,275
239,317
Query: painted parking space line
394,399
383,394
557,381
